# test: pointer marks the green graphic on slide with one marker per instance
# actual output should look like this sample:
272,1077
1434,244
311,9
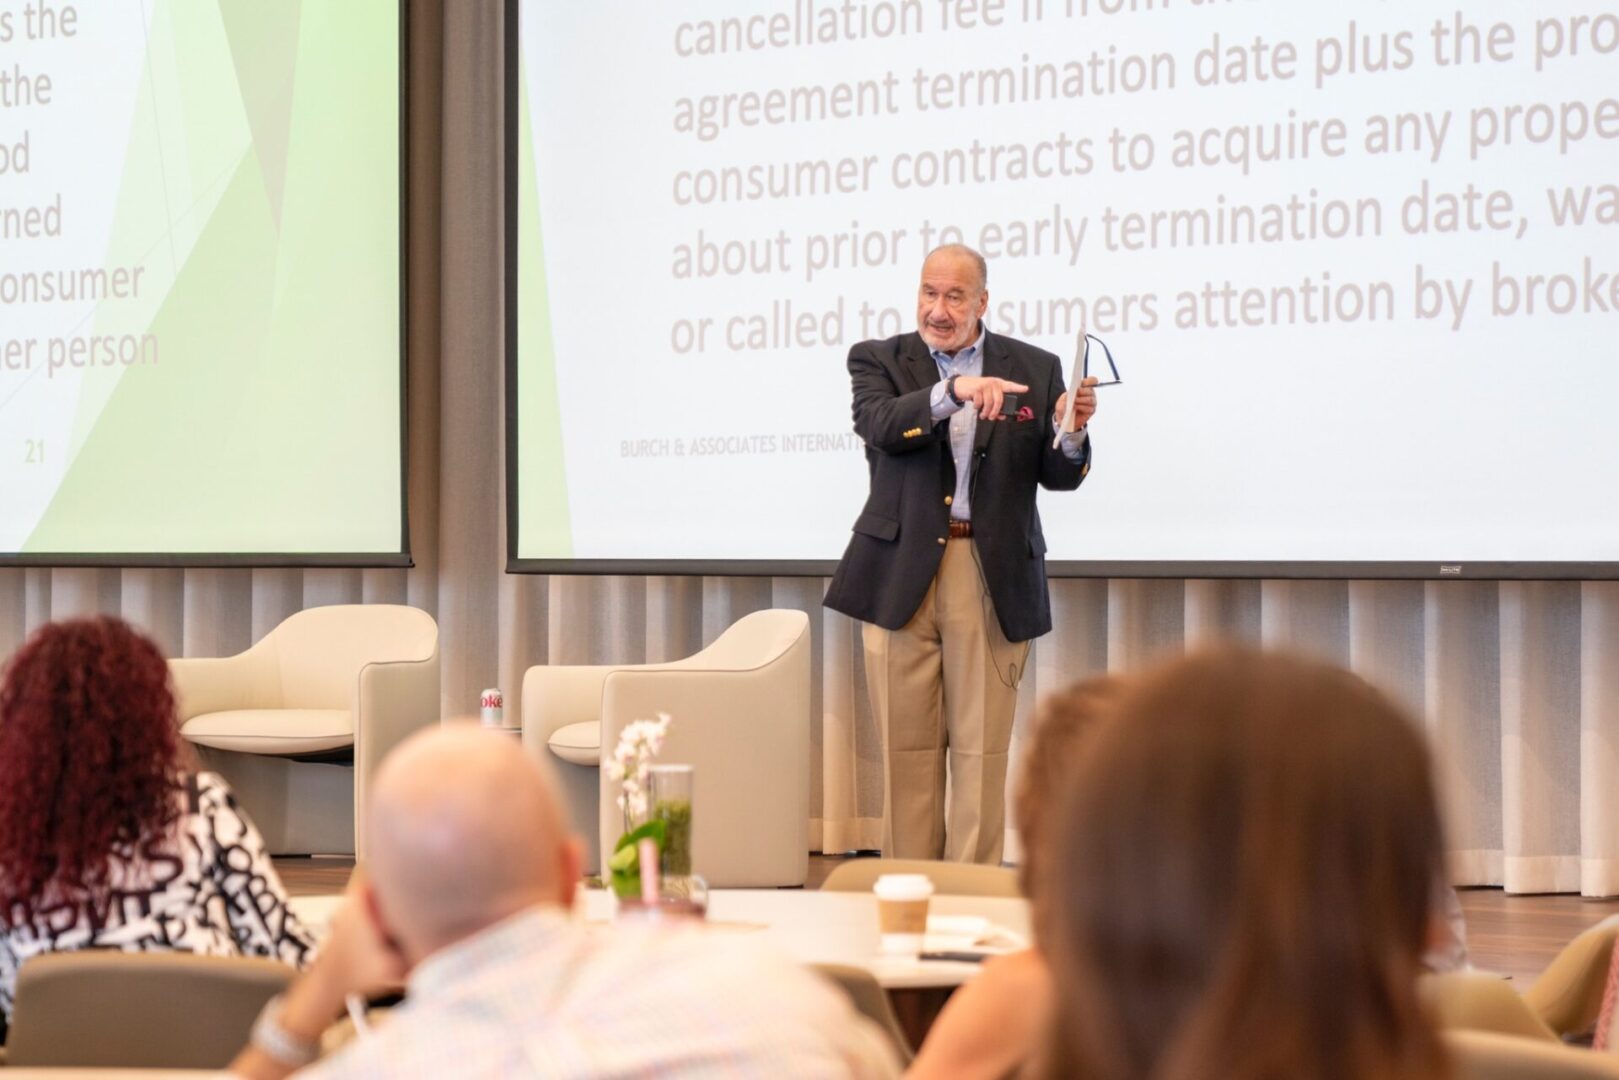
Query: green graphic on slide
259,191
264,48
543,529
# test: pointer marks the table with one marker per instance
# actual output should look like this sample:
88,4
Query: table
814,927
837,928
70,1072
811,926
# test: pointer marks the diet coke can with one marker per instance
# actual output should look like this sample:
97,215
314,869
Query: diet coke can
491,708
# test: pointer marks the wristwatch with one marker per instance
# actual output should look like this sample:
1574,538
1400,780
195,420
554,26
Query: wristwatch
950,390
275,1041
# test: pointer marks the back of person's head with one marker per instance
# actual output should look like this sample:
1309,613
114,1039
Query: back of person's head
464,830
1061,724
1240,881
90,757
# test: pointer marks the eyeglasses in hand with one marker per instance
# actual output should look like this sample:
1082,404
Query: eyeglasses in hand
1085,360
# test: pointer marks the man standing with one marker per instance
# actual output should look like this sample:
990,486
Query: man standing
947,566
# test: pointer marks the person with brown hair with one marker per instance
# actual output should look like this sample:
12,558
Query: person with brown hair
992,1025
1240,882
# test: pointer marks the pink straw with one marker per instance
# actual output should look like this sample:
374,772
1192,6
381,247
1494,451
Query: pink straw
647,850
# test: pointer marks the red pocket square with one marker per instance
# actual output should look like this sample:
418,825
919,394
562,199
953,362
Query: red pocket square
1025,413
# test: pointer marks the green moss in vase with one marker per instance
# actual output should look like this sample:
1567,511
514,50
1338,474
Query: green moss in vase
676,817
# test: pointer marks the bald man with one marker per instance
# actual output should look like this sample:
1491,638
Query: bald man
464,898
947,562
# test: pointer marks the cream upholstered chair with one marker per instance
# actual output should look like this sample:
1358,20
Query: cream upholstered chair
949,878
870,1000
741,718
1482,1055
281,720
102,1007
1568,994
1473,1001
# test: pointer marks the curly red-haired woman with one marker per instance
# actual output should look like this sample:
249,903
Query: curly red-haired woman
108,837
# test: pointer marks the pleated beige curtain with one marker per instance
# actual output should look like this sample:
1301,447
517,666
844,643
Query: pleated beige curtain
1515,680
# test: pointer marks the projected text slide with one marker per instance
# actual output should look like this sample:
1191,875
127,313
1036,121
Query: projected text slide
1356,264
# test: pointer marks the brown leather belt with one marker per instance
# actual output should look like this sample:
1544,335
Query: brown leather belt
959,529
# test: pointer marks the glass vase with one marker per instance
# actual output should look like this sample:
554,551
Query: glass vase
669,793
681,893
669,800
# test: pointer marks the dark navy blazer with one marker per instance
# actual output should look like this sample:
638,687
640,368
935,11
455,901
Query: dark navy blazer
899,536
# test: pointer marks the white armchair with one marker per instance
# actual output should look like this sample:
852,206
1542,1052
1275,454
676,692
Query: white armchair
741,711
280,720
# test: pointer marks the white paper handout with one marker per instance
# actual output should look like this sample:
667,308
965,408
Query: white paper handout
1074,378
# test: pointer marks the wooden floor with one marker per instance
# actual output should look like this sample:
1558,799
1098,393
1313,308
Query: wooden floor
1519,935
319,876
1515,935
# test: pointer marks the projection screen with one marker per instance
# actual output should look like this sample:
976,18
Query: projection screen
200,293
1356,264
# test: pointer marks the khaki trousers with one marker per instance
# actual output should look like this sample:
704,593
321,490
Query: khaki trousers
946,682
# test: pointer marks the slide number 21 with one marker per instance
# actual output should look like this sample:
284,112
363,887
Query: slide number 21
33,452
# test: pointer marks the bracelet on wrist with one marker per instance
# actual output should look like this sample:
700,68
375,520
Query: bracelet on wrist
275,1041
950,391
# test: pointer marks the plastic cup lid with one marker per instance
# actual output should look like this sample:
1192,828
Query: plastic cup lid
903,886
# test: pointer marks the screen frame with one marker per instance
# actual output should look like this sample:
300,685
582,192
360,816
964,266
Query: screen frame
1423,569
400,558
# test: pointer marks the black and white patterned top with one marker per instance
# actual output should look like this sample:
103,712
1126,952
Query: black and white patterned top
209,889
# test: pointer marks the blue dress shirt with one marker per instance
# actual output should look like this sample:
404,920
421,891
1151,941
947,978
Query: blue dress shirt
964,422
